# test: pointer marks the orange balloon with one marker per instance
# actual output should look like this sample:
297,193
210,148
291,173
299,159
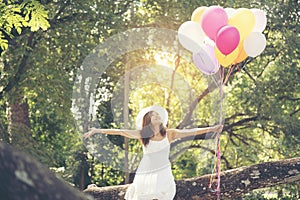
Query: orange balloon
226,60
197,14
242,55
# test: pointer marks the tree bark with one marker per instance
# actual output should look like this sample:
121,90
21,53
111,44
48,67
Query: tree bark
234,183
18,118
23,178
19,130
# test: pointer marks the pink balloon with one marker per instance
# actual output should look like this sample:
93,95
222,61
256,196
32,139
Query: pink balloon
228,39
205,60
213,18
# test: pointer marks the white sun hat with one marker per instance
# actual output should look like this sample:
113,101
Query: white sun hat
159,109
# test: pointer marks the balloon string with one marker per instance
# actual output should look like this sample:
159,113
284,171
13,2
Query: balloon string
214,168
219,169
217,156
219,133
228,75
221,94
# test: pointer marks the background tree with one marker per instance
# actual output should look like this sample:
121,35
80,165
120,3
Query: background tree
45,42
38,72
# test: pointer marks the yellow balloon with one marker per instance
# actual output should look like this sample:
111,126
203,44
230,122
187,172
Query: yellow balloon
197,13
226,60
244,20
242,55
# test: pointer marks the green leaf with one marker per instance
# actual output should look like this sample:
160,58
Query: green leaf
19,30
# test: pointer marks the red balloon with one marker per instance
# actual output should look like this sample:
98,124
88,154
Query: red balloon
228,39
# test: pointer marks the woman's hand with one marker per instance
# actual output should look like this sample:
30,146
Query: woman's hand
217,128
91,132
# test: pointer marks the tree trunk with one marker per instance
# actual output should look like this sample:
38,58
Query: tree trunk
23,178
3,133
234,183
19,131
18,123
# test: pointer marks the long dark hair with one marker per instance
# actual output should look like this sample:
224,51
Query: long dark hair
147,132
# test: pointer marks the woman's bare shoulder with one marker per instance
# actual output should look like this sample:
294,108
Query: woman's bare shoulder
171,133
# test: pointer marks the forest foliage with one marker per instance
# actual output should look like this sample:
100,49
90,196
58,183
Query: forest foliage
44,45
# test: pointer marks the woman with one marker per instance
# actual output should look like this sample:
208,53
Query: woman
153,178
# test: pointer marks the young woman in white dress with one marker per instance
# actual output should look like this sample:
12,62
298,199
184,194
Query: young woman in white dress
153,178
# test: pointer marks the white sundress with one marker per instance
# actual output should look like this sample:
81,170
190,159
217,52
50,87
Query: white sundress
153,178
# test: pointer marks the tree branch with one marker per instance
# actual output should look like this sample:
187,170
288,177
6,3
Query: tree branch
22,67
187,117
294,112
242,121
267,64
234,183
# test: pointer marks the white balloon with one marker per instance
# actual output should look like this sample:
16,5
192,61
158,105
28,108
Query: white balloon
230,12
254,44
205,60
260,19
191,35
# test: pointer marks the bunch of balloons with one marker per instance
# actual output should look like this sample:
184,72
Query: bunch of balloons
223,36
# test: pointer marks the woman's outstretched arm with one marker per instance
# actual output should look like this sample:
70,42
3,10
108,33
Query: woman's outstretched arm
182,133
133,134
